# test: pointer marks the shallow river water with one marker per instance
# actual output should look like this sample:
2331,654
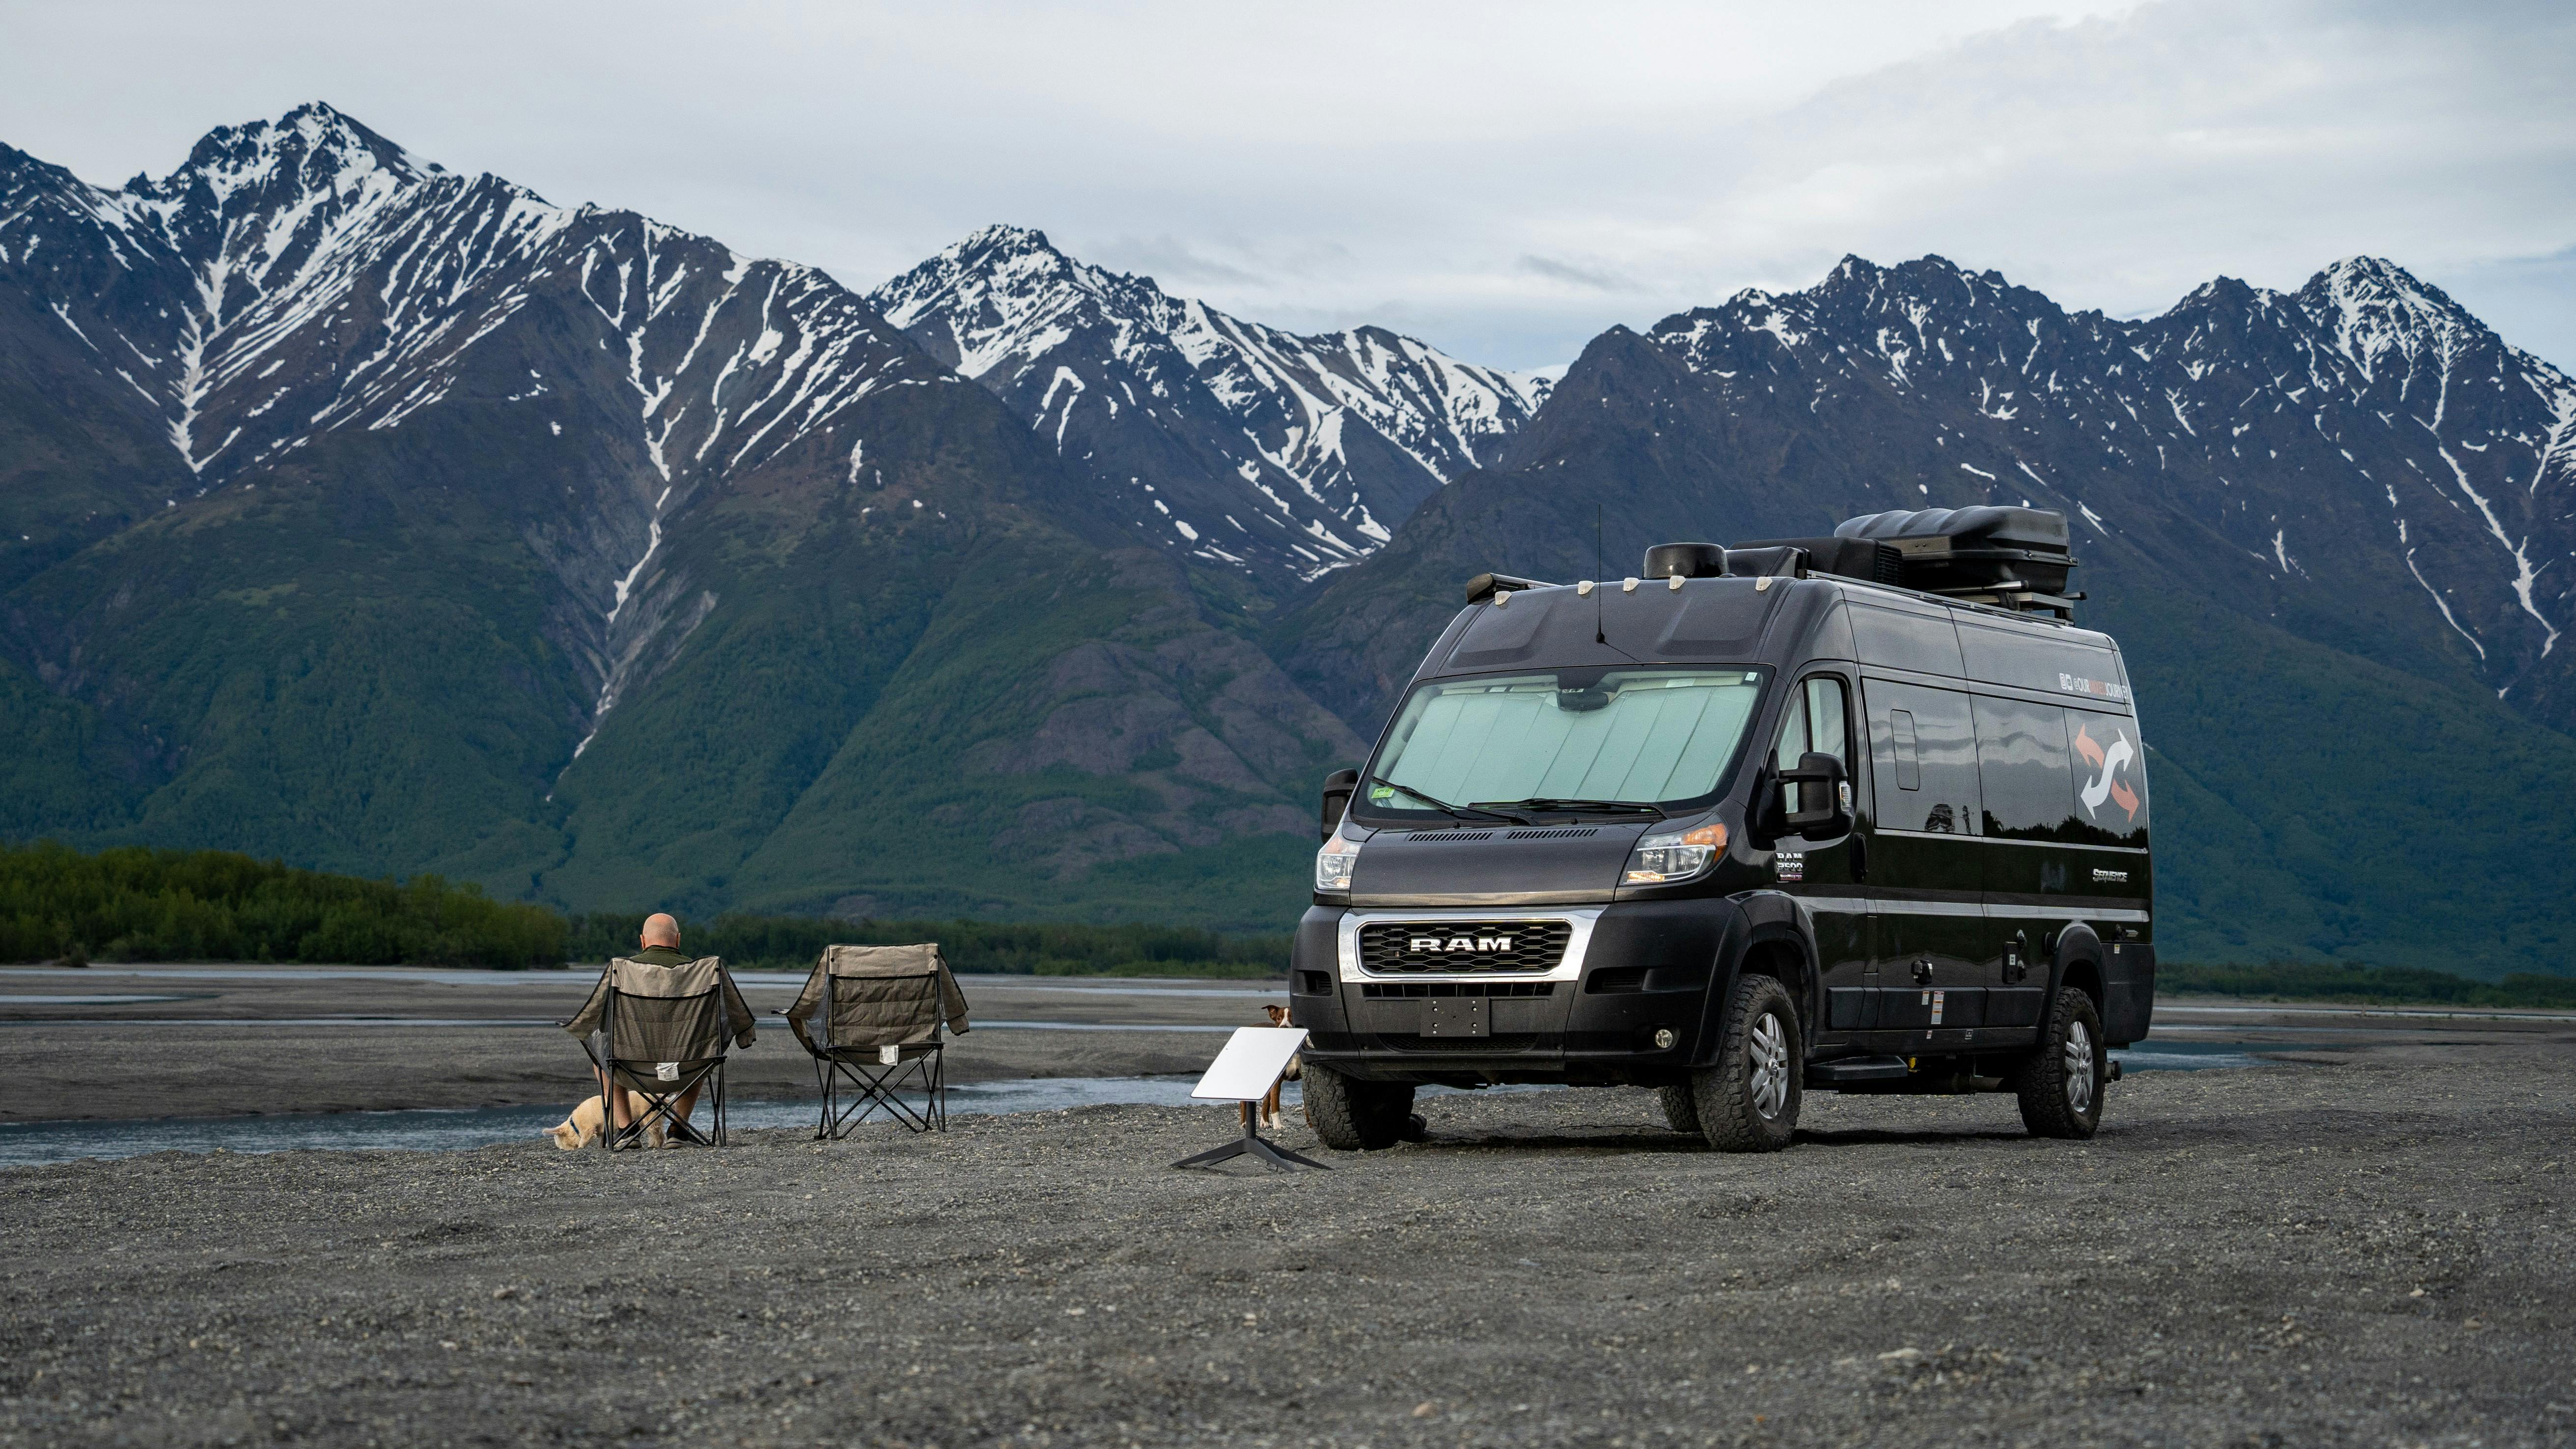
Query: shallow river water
29,1144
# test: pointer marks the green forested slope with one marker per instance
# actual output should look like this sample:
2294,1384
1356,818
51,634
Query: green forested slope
965,707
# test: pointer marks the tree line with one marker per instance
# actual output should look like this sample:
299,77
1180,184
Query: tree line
138,904
793,943
2390,985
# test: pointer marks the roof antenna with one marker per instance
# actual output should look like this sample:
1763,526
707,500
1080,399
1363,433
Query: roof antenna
1598,638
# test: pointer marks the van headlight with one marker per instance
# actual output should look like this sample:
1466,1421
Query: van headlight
1333,863
1673,855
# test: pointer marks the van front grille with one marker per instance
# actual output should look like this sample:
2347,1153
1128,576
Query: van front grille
1409,990
1392,947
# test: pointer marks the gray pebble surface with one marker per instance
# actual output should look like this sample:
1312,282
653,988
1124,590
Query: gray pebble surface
2371,1249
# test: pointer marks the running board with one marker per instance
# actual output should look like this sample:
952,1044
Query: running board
1852,1070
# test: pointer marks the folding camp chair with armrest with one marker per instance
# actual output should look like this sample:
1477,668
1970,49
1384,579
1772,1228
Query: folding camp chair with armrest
661,1032
879,1010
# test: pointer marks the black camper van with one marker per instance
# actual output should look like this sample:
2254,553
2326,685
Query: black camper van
1865,813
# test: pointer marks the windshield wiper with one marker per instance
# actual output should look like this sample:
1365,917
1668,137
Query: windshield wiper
1456,812
1554,802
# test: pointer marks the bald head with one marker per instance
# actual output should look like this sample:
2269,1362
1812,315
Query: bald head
661,930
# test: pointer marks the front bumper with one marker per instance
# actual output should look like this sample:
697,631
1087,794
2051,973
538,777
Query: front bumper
1629,971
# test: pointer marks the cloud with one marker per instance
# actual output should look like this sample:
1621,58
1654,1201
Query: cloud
1575,276
1506,179
1172,262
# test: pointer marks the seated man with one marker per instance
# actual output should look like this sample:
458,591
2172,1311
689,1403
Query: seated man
660,946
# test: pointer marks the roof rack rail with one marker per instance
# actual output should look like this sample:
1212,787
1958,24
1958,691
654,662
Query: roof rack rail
1485,586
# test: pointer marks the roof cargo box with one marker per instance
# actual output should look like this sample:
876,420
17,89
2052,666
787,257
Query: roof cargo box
1984,549
1852,558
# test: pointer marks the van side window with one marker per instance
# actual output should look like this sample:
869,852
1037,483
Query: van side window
1924,741
1817,723
2023,764
2109,779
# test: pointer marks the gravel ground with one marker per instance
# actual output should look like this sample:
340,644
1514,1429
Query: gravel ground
2360,1248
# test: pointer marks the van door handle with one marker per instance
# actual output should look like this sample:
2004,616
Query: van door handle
1923,972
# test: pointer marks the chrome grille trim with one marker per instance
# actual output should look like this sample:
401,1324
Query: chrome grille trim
1514,946
1569,967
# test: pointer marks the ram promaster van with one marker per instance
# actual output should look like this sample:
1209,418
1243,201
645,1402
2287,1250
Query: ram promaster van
1865,813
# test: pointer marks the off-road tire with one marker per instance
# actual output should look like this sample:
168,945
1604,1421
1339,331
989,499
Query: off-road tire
1681,1108
2060,1084
1748,1101
1351,1115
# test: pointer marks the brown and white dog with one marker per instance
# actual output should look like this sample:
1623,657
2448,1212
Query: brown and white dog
587,1121
1296,1069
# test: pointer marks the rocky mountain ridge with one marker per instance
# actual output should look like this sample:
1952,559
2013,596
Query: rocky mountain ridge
2366,379
1225,441
386,517
307,276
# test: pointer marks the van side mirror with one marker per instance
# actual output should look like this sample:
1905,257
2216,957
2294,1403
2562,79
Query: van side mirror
1815,798
1339,786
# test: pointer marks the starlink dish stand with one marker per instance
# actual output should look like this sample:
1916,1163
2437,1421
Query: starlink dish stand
1244,1073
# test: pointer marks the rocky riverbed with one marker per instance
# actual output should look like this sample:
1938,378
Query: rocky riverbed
2359,1247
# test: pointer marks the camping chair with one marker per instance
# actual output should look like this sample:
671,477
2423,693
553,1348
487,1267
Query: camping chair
880,1010
661,1032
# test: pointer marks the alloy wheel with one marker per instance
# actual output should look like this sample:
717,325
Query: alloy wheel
2078,1058
1768,1053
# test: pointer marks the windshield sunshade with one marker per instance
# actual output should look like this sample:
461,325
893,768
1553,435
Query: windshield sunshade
1645,735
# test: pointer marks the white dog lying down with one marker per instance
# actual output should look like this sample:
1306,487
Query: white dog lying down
588,1120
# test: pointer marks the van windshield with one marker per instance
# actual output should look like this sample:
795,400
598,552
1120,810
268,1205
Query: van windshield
1647,736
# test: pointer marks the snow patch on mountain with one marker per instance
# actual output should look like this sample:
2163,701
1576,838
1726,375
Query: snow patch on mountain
1327,434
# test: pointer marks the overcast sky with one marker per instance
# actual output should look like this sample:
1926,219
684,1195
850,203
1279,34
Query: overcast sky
1504,180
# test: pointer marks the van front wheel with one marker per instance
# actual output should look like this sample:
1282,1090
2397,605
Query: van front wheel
2060,1085
1352,1115
1681,1108
1748,1101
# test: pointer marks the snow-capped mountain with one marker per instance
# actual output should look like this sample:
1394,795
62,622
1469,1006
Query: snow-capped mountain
386,518
306,276
1221,439
2364,435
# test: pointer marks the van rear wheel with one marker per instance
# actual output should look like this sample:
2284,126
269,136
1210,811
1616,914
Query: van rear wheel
1748,1101
2060,1085
1352,1115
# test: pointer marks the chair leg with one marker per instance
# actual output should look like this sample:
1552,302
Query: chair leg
823,1088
